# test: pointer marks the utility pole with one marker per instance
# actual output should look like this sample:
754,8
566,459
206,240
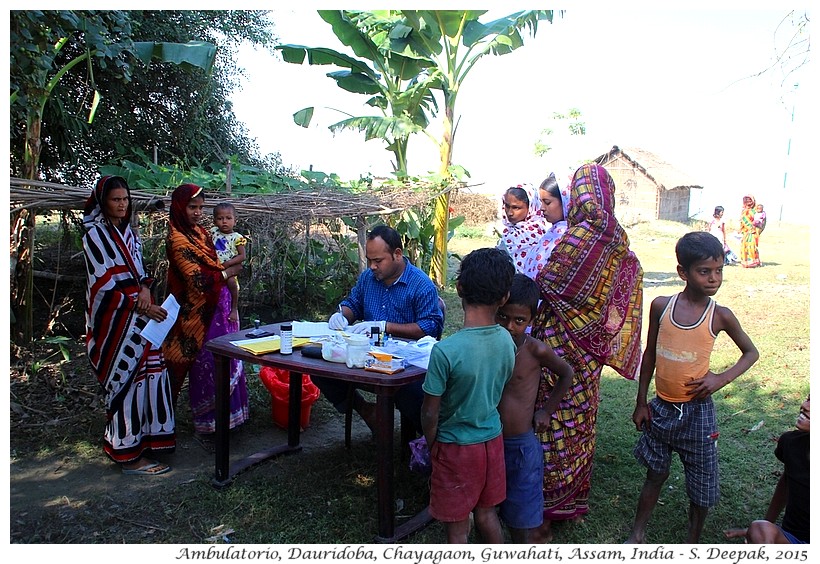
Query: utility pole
788,152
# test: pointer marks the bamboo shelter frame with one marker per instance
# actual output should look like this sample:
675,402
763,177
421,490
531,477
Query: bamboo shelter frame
316,203
311,205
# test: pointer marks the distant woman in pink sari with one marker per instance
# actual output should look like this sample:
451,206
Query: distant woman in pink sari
749,235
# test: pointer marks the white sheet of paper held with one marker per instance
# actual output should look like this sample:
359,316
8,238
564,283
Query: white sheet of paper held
312,329
156,331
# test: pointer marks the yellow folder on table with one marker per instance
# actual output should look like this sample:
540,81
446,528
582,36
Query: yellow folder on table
267,345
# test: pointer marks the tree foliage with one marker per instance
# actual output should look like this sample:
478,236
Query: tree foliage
182,112
455,40
395,84
417,56
569,123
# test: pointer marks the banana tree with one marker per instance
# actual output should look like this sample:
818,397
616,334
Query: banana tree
398,84
431,49
45,47
455,40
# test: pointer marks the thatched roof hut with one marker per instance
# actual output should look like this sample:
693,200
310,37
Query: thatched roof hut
647,186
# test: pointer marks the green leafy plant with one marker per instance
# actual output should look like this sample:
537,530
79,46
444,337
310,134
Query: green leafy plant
60,341
62,349
212,176
417,229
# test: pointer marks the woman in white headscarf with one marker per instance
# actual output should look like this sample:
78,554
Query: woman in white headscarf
524,228
554,206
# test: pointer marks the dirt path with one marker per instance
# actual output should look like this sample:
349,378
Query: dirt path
40,483
62,495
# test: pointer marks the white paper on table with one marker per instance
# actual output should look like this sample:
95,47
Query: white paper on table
312,329
156,331
257,340
418,353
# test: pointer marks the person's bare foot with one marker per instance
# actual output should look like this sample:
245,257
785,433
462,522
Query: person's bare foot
542,534
136,465
206,442
734,533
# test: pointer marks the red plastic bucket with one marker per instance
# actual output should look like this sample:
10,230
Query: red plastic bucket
276,381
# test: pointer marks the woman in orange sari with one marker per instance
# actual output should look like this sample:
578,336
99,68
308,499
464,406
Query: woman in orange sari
749,235
590,315
198,281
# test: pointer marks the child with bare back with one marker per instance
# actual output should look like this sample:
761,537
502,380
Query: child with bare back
523,510
230,248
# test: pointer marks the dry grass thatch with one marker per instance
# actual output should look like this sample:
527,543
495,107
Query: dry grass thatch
477,209
314,204
664,174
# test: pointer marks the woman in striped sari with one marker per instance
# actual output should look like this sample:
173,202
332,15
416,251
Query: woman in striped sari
139,408
198,281
590,315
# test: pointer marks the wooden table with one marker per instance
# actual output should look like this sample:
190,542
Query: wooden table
384,386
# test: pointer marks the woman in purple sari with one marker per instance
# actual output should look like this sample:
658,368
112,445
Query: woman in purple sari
198,281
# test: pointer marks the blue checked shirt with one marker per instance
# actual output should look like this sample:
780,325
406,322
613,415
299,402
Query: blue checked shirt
410,299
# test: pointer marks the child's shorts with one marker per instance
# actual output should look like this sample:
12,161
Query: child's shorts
524,459
465,477
690,429
790,537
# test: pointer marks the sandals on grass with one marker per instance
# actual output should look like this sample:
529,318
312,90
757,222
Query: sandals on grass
153,468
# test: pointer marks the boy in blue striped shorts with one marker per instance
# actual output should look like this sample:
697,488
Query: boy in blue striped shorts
681,418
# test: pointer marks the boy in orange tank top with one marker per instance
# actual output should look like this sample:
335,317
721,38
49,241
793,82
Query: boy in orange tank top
681,418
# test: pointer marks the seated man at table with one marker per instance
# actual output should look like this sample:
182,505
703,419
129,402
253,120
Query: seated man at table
403,301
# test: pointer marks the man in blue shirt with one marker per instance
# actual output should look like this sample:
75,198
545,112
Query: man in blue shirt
403,301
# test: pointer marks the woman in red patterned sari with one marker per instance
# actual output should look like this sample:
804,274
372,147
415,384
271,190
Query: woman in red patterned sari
139,408
198,281
590,315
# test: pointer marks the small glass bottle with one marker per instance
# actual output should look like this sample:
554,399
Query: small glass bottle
286,336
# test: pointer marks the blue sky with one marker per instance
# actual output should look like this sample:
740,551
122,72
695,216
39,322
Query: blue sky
675,82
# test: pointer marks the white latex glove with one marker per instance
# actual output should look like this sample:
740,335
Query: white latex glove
337,321
366,326
361,328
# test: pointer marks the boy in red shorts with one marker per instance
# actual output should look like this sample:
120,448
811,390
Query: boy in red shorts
466,375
